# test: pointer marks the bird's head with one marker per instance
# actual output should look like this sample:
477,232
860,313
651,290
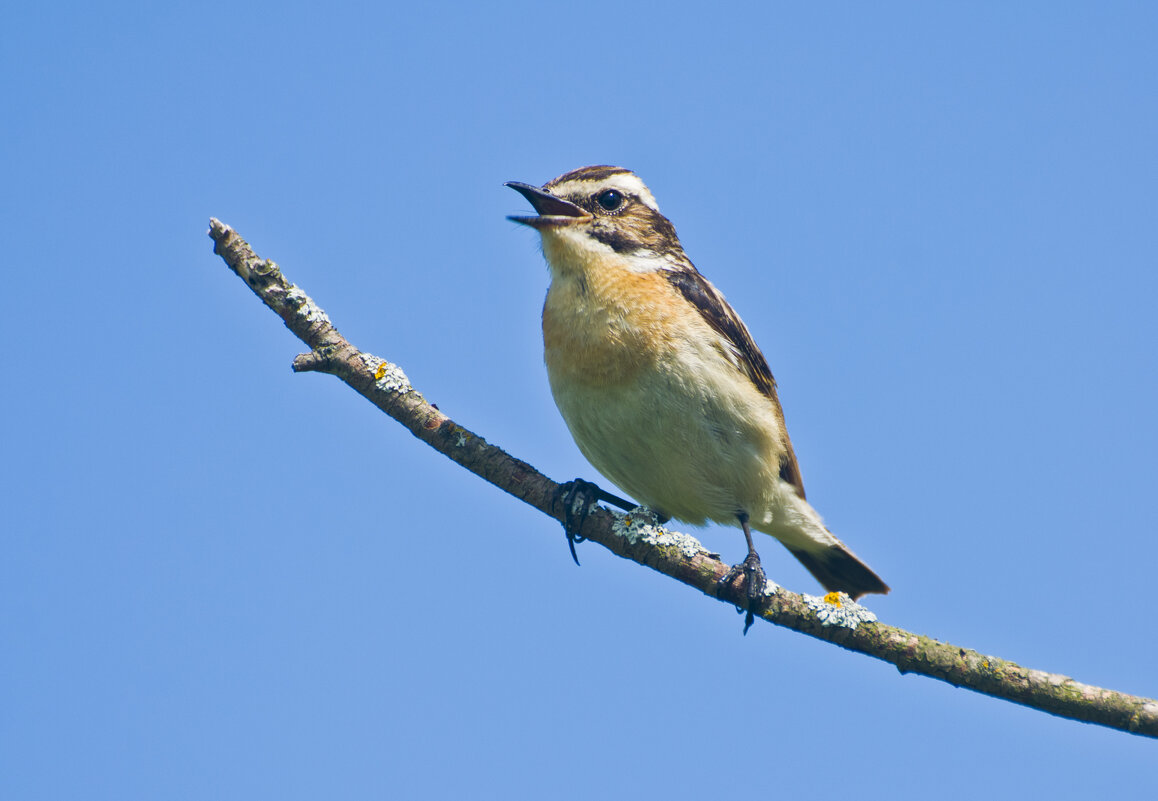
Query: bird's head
598,212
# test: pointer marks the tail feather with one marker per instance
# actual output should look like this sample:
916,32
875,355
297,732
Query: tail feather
839,570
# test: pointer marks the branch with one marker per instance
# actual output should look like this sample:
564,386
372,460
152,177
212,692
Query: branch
636,536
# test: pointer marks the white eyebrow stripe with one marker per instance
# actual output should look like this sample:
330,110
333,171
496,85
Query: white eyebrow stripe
629,184
626,182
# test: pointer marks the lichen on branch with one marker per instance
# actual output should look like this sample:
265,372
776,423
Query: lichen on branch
837,620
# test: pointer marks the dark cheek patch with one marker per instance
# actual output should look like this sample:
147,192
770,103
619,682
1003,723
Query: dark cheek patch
641,228
616,239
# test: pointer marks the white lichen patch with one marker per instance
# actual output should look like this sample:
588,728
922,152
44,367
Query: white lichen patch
254,269
387,376
301,301
837,609
641,525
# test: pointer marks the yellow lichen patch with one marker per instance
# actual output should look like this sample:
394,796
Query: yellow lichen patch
831,610
380,373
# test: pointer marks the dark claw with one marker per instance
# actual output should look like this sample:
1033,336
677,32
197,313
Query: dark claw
573,520
754,583
568,494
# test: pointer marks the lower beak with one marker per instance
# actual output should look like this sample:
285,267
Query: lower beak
553,211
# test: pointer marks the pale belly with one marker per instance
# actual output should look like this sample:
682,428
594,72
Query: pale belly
673,446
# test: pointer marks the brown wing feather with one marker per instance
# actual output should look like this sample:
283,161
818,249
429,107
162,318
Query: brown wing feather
716,312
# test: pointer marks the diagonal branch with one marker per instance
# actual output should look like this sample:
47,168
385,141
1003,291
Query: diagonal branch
636,536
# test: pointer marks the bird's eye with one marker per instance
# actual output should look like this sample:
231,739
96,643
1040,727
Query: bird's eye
610,199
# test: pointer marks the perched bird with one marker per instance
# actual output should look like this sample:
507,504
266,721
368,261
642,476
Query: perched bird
659,380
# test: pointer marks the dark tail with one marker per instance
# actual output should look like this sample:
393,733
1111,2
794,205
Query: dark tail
838,570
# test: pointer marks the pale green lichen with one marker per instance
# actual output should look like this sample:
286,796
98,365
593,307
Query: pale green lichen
837,609
641,525
770,587
388,377
300,301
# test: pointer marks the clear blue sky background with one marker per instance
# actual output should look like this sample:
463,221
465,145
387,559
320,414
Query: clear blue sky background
222,580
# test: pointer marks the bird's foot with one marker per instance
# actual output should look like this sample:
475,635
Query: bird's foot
755,583
577,497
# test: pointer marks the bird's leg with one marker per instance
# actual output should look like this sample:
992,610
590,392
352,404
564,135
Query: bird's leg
585,493
754,578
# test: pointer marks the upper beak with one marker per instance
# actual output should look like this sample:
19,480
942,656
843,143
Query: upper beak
552,210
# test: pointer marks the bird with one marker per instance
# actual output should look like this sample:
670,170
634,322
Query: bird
660,382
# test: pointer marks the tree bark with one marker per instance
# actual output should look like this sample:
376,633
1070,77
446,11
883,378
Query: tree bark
637,536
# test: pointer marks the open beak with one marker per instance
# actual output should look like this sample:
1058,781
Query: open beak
553,211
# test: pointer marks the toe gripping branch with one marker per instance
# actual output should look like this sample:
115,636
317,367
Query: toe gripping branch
754,579
754,584
577,497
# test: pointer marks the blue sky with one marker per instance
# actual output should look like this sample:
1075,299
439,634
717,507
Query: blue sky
220,579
